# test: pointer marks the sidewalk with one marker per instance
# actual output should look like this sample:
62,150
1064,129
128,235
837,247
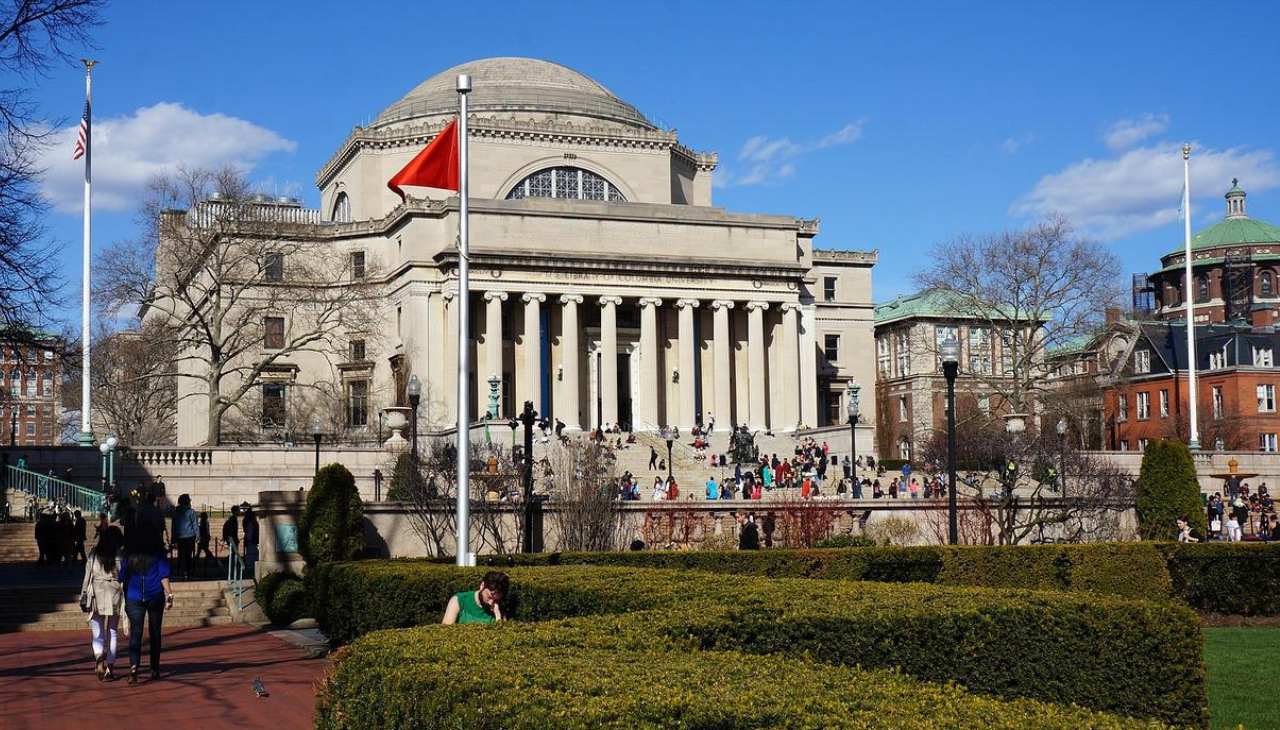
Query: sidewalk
47,683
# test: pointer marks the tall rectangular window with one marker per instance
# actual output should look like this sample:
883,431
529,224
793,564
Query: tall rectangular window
1122,408
1142,444
357,351
1164,404
1267,441
273,266
357,265
904,354
1142,361
273,405
1263,357
902,408
980,350
358,403
1144,406
274,337
1266,399
884,359
829,289
942,333
831,347
1217,401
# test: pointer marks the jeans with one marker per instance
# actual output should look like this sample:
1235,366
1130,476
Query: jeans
187,555
138,610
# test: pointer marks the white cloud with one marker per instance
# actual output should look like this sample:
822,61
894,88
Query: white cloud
128,151
1012,144
1127,132
768,160
1140,189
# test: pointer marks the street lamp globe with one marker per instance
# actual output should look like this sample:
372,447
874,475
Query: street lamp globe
950,350
103,448
111,443
414,389
851,403
1062,427
317,428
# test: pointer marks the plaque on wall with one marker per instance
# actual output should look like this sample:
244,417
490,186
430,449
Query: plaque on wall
287,538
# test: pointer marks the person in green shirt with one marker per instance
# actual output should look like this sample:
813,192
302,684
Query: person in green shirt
480,606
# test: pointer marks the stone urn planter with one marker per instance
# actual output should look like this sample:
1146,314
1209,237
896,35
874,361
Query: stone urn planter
397,418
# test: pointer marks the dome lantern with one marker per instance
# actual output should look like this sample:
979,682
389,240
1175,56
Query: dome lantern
1235,200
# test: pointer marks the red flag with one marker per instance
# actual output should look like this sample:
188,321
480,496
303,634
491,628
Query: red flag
436,166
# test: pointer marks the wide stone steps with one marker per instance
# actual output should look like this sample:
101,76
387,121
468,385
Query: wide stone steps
57,608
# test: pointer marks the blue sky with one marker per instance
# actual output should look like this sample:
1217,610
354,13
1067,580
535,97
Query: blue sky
898,128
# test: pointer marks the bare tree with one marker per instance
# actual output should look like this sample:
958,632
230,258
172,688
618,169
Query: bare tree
35,35
586,494
135,394
1037,288
240,286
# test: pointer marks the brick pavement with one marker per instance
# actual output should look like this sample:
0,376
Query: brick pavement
47,683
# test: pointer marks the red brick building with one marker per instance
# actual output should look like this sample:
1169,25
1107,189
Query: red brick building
31,396
1237,382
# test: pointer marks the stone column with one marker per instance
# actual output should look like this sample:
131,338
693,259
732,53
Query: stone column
789,361
809,367
688,413
649,390
568,407
723,378
533,349
449,368
609,359
492,349
757,419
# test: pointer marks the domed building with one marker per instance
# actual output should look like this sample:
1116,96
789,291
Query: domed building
1235,263
606,287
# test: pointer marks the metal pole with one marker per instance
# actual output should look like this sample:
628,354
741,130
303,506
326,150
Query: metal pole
953,518
1062,463
853,451
528,417
462,541
317,453
669,442
1189,297
414,402
86,414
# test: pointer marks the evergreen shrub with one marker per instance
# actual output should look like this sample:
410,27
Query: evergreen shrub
283,598
1168,489
332,524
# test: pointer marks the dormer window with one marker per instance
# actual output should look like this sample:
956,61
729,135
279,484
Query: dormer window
1142,361
572,183
1262,357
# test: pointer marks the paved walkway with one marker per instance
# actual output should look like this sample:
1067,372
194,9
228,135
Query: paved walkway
47,683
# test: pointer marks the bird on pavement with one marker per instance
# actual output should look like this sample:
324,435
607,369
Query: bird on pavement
259,689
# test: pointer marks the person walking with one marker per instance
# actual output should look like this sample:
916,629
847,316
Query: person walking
653,459
206,537
145,579
249,533
185,530
104,600
79,530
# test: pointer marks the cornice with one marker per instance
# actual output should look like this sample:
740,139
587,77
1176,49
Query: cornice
830,255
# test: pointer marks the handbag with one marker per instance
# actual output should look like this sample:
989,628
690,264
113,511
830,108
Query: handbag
1216,526
86,600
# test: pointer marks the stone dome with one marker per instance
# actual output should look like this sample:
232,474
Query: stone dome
520,86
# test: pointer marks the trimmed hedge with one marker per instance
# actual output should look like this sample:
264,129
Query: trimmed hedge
1130,657
1168,489
283,598
332,524
577,675
1236,578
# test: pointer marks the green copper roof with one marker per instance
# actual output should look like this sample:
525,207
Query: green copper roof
927,303
1231,232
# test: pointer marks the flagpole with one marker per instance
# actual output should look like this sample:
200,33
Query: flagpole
463,539
1189,297
86,420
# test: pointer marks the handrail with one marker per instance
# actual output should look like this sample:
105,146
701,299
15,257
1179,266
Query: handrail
52,489
235,573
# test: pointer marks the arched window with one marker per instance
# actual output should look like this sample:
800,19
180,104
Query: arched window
1202,289
342,209
1267,285
566,182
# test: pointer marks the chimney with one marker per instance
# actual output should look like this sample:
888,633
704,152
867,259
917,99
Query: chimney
1262,317
1113,315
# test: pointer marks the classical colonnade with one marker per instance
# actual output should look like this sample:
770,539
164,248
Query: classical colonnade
779,377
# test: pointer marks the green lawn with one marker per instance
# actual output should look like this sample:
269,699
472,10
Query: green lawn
1244,677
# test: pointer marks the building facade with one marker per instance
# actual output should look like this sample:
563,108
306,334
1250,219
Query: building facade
911,390
1236,382
31,399
605,287
1235,265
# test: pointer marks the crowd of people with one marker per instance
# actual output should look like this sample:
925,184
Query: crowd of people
1242,514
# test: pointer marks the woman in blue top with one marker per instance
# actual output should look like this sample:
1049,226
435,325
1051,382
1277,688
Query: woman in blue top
145,578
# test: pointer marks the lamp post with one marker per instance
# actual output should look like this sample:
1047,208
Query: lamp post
1062,455
668,433
950,353
528,417
317,432
851,406
513,424
102,447
414,390
111,444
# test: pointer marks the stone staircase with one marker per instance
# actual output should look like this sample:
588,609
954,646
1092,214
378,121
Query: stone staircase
57,607
18,543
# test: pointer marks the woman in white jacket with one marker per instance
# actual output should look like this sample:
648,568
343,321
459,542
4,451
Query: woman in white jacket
105,598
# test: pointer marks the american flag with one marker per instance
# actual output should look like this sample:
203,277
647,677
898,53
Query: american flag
82,142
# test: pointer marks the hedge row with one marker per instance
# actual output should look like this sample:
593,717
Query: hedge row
282,597
1130,657
1235,578
572,676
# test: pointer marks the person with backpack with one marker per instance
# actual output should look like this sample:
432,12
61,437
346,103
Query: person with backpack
185,529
